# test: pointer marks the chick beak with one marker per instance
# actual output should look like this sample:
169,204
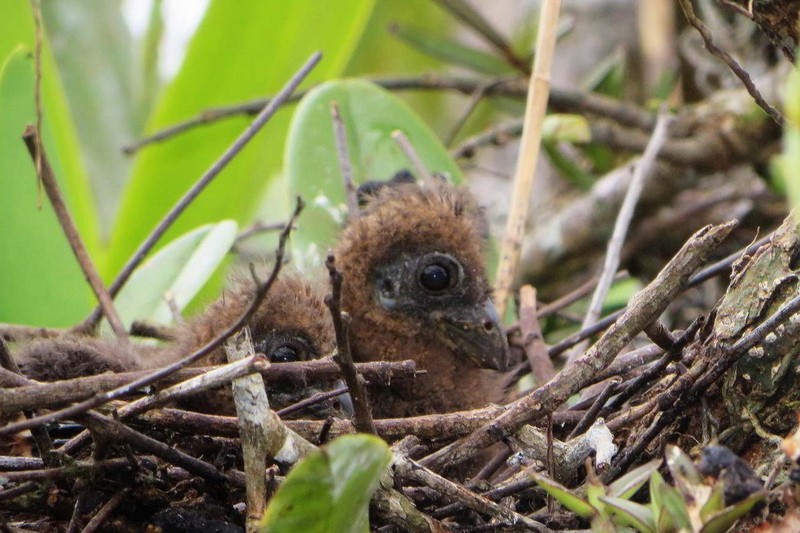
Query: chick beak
476,332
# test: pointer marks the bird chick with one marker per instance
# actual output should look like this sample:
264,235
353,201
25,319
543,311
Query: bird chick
291,324
416,288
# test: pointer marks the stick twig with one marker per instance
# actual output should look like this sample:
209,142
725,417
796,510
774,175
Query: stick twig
532,340
737,69
538,92
342,151
48,180
252,406
263,117
151,378
354,381
405,145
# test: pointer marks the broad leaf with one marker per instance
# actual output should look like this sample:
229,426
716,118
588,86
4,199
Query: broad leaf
42,283
370,115
242,50
177,272
329,491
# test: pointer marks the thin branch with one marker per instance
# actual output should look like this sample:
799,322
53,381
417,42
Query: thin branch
532,339
355,382
151,378
263,117
18,394
104,513
623,221
562,100
538,92
411,154
214,378
311,400
31,136
36,7
345,165
737,69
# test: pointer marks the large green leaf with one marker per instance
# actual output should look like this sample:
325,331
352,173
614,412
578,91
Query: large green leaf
329,491
370,115
178,271
97,67
241,50
42,283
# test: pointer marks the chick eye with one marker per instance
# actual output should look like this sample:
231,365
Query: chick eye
434,277
284,354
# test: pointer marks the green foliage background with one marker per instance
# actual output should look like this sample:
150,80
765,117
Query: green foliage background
101,90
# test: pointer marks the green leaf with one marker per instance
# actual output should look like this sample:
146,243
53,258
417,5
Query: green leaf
568,168
564,496
723,521
242,50
608,77
450,51
631,513
329,491
715,502
96,66
562,127
673,508
370,115
626,486
43,284
178,271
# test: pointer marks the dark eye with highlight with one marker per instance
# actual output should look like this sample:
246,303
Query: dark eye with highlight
284,354
434,277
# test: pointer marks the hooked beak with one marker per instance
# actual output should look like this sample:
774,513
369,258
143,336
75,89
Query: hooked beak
476,332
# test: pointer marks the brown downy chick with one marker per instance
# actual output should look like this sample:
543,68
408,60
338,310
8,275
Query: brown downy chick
291,324
416,288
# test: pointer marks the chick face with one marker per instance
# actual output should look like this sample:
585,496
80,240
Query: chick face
433,288
413,266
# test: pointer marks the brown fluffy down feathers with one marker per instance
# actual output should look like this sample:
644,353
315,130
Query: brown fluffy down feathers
293,312
408,219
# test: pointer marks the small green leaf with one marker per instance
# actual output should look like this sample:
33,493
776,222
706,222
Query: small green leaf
626,486
631,513
558,127
370,115
608,77
329,491
178,271
568,168
724,520
715,502
564,496
675,507
450,51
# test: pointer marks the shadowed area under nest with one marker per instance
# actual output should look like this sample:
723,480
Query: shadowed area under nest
291,324
416,288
